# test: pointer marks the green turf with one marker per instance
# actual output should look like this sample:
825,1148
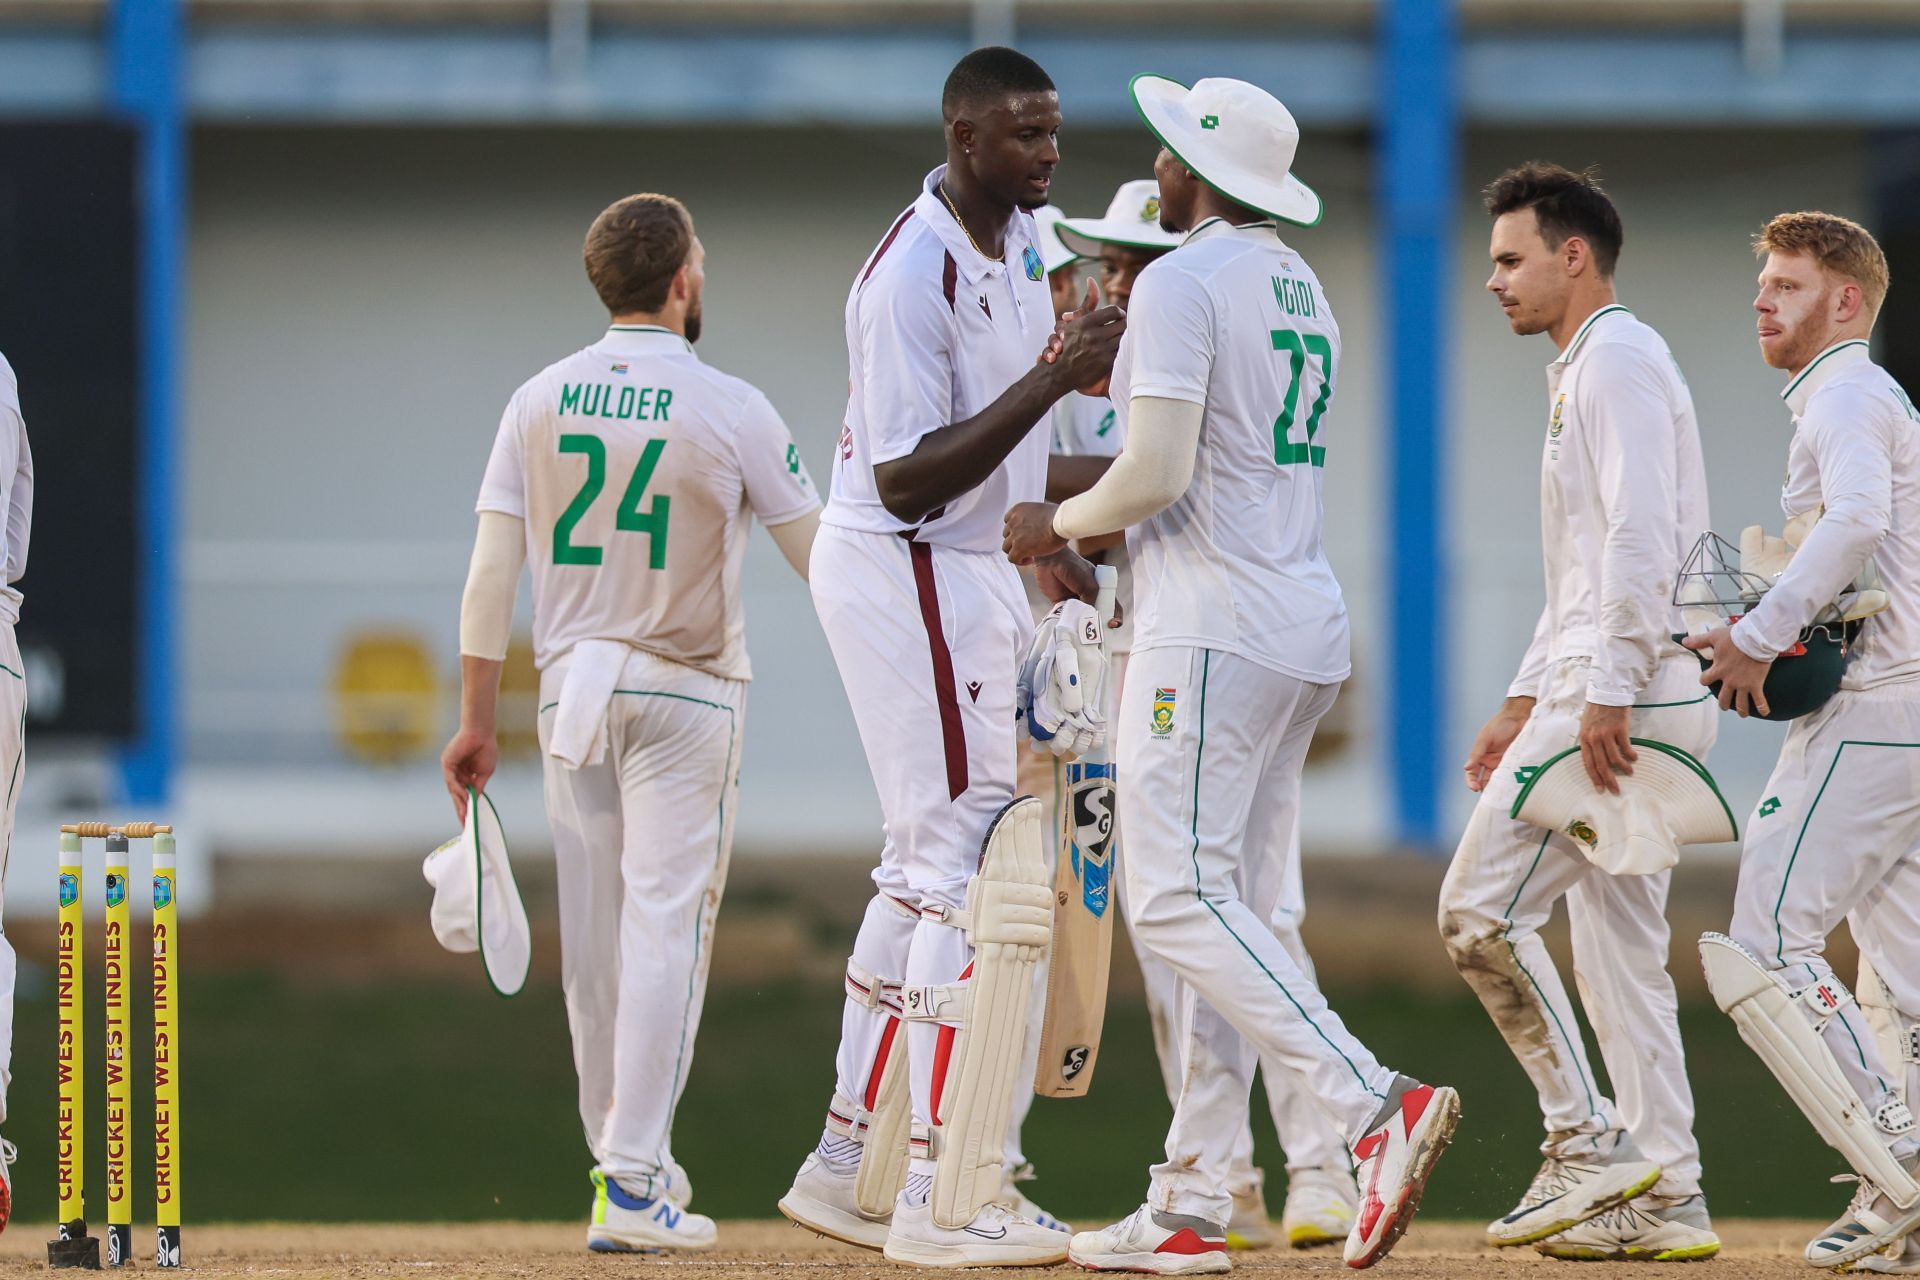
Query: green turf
424,1101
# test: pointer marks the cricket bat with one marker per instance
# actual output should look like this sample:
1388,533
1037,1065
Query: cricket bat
1082,909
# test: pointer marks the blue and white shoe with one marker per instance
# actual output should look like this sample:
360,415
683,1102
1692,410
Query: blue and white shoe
626,1223
1015,1200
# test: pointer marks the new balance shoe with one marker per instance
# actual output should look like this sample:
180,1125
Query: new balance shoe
997,1237
1161,1244
1649,1229
821,1200
627,1223
1393,1162
1569,1190
1011,1197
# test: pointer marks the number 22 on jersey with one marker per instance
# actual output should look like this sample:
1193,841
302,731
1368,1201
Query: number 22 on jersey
1298,346
627,518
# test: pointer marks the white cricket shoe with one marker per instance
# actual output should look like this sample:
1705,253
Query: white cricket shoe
1014,1199
1394,1160
1566,1192
627,1223
670,1184
1161,1244
997,1237
1320,1207
1901,1259
1871,1223
1249,1227
1649,1229
821,1200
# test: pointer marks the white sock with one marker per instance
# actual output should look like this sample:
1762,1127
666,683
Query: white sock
919,1187
835,1149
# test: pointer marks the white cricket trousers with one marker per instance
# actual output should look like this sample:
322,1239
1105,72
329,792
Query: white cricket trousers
1500,890
641,842
928,640
1210,748
1836,835
13,758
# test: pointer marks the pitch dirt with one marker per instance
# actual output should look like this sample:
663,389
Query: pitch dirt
779,1251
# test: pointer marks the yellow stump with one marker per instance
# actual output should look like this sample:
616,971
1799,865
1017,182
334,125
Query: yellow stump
119,927
71,1111
166,1052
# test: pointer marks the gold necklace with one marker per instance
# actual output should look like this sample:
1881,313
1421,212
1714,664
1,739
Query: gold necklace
1002,256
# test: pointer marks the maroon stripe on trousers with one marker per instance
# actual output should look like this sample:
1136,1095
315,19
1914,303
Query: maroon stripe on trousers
952,738
887,244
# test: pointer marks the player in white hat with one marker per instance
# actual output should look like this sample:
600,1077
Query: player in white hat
1240,645
1321,1194
625,475
1623,498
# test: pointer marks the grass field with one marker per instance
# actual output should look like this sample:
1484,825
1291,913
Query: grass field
415,1099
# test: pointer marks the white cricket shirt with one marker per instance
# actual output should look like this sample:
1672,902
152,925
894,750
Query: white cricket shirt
16,488
1856,452
936,332
1623,498
636,469
1235,321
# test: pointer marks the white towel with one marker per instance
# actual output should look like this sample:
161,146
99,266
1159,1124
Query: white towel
580,722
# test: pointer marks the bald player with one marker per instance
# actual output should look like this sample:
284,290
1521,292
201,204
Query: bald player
625,476
946,322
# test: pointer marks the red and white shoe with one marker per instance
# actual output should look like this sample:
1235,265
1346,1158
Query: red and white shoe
1393,1162
1161,1244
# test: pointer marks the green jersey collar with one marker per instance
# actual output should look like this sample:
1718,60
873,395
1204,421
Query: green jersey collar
1834,360
1220,226
1573,348
643,340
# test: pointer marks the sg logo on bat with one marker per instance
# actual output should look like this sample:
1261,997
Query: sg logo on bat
1091,795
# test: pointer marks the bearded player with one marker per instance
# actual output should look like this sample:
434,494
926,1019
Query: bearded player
1623,497
625,475
1836,834
946,322
1320,1190
1240,645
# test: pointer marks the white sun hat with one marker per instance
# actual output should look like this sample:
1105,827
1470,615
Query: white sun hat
1132,222
1668,800
1236,137
476,905
1053,254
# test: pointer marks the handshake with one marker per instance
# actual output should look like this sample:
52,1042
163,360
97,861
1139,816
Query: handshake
1062,688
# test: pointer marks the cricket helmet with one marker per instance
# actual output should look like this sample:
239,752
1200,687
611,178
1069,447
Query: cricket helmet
1719,584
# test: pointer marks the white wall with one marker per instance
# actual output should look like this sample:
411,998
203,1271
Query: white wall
363,301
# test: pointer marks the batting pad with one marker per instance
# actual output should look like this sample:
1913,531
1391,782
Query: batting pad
1668,800
883,1156
1788,1040
1009,920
